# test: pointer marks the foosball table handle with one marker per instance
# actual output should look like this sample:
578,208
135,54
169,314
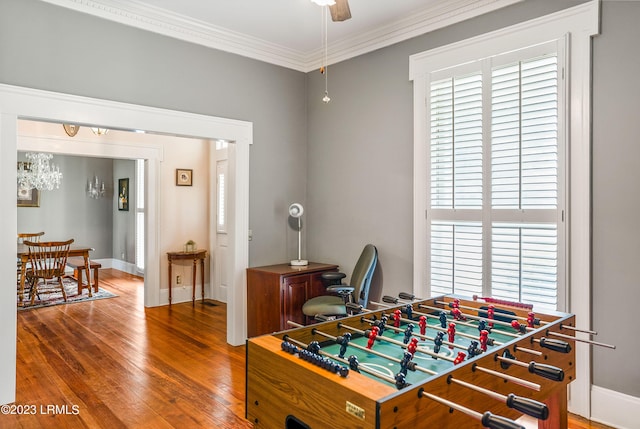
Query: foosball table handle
546,371
528,406
555,345
498,422
390,299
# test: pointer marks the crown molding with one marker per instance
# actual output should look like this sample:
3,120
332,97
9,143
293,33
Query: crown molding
139,15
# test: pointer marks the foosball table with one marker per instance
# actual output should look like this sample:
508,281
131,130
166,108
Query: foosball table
445,362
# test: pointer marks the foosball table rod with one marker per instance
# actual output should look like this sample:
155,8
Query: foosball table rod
412,365
398,343
491,341
570,337
492,300
526,406
497,322
416,334
344,361
519,381
547,371
439,328
533,320
521,327
573,328
488,420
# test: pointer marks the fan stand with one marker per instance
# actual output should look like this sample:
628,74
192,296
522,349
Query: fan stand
299,262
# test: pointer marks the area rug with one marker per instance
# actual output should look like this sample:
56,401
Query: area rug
52,298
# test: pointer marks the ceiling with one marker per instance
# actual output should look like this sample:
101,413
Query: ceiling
286,32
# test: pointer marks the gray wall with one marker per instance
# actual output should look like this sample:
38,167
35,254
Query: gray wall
48,47
360,181
124,222
361,149
356,165
67,212
616,198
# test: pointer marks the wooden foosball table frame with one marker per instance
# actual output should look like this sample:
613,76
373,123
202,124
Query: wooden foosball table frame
283,388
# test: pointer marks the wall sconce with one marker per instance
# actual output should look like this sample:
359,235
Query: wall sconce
95,188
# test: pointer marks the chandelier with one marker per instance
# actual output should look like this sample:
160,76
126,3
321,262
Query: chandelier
38,173
95,188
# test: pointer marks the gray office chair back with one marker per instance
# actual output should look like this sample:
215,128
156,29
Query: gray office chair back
362,274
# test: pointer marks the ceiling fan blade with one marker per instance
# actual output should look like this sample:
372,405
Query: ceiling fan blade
340,11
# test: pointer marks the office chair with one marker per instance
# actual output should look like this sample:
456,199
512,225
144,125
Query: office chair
356,294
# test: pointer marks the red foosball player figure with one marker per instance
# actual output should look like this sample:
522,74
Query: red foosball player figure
423,325
459,358
484,336
397,315
490,314
455,303
452,333
457,314
531,319
518,326
413,346
372,336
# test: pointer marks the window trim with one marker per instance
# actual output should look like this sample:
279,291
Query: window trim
576,26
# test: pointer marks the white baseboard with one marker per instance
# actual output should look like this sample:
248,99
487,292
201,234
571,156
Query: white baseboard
614,409
117,264
183,294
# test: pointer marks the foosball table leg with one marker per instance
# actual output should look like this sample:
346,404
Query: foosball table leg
558,414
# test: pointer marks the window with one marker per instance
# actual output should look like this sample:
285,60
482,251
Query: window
573,27
494,215
140,214
222,167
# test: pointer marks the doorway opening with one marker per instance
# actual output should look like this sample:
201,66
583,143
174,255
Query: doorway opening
24,103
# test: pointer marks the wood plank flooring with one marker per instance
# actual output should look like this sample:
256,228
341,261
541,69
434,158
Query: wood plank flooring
114,364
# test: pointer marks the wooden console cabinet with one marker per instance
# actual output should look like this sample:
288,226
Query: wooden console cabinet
276,293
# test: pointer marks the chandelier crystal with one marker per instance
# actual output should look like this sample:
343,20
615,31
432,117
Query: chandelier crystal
38,172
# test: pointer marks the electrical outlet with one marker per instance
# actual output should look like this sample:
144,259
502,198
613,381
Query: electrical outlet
179,280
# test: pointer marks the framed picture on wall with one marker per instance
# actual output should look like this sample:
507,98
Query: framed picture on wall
123,194
28,197
184,177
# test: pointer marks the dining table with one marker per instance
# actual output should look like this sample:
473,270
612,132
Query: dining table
74,250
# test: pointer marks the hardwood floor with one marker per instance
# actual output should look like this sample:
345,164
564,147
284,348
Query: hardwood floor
114,364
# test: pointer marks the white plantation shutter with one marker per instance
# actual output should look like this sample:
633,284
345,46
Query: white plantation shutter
524,134
524,263
456,258
495,176
456,142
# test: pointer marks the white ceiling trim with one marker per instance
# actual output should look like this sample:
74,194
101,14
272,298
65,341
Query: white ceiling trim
139,15
440,16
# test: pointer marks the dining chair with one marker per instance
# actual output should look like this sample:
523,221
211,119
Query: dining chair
47,261
30,236
22,236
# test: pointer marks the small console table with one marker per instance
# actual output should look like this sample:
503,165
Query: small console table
195,256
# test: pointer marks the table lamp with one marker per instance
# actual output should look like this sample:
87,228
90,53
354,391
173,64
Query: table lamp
295,211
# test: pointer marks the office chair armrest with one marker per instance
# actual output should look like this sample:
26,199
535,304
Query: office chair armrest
333,277
340,289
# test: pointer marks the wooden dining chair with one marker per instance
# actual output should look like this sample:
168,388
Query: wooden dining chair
30,236
47,261
22,236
